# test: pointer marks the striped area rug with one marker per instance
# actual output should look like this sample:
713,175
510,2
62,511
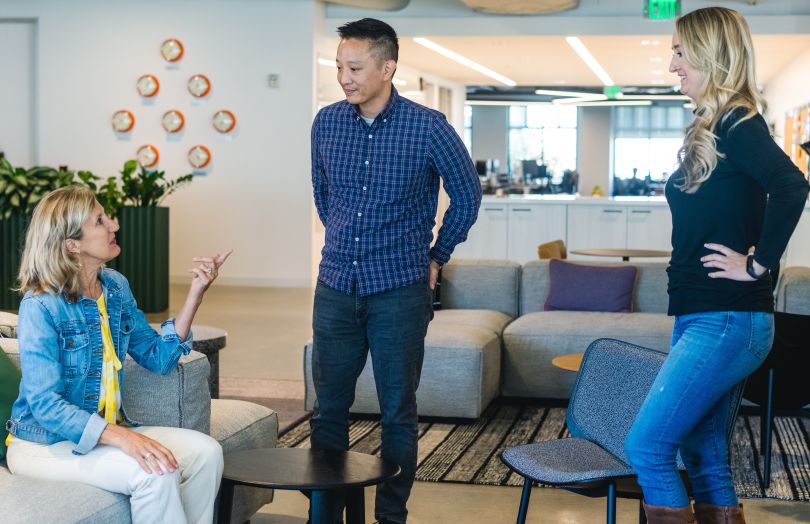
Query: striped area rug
468,453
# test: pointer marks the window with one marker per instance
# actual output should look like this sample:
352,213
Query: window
646,140
545,133
468,128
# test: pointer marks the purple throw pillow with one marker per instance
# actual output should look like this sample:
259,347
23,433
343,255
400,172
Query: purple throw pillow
577,287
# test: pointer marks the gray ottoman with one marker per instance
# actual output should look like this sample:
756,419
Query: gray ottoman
460,374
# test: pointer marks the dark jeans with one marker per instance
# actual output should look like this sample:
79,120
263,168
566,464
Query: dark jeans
392,325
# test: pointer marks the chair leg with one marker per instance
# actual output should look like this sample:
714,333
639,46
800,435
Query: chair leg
642,515
767,432
611,503
524,500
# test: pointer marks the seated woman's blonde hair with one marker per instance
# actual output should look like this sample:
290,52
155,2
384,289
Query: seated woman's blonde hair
47,266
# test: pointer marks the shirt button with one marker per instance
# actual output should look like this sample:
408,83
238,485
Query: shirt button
364,188
370,136
359,214
385,120
357,239
354,263
366,162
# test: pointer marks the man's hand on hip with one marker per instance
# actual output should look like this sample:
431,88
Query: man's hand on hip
434,273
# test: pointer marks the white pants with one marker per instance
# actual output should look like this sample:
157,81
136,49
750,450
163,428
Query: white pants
187,495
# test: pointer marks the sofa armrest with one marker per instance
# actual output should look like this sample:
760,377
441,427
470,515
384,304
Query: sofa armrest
481,284
180,399
793,291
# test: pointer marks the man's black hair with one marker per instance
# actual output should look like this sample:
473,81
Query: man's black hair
382,39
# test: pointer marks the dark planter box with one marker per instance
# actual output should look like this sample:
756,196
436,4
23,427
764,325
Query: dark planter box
12,241
144,258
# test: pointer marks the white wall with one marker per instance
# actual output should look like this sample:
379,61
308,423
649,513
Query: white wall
490,134
17,108
256,196
787,91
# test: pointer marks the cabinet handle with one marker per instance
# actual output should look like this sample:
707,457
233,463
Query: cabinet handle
641,211
612,211
493,209
520,209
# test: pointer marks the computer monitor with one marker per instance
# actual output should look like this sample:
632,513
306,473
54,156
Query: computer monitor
530,169
481,167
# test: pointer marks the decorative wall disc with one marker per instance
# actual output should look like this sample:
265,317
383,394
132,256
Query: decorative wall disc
199,85
172,50
148,155
199,156
173,121
224,121
123,121
148,86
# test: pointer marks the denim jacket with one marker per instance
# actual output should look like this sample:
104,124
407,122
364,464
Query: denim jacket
61,354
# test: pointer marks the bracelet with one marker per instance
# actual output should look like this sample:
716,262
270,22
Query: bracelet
749,268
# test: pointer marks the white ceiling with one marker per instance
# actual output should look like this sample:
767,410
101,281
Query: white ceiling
549,60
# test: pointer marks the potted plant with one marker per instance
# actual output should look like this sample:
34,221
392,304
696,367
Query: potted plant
134,200
20,190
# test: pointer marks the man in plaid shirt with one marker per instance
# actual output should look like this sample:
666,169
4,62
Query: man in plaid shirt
376,163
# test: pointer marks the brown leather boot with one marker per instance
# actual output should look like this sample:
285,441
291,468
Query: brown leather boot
709,514
667,515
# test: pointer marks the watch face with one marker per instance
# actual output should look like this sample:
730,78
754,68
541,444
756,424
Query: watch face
123,121
172,50
224,121
199,156
148,86
173,121
148,155
199,85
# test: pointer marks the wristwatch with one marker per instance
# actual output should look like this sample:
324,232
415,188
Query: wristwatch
749,268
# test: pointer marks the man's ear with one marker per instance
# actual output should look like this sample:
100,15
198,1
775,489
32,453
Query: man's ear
72,246
389,68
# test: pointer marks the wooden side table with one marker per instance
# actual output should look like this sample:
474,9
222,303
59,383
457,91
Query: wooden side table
569,362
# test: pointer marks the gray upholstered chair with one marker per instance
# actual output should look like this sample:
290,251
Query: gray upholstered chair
612,384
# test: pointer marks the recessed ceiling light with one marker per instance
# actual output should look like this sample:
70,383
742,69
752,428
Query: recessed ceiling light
656,59
505,103
560,92
655,42
607,103
463,60
656,72
327,62
399,82
645,42
589,60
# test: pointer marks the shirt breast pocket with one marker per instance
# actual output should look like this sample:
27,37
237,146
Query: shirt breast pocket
127,325
73,350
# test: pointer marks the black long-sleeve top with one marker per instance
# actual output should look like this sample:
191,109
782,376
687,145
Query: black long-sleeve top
754,197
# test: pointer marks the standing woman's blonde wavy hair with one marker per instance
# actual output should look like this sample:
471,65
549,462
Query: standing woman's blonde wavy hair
47,266
715,41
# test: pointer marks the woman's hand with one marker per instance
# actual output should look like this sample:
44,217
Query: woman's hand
150,454
206,272
730,263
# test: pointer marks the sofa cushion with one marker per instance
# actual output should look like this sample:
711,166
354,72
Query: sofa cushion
793,291
481,284
649,296
494,321
533,340
8,325
9,389
580,287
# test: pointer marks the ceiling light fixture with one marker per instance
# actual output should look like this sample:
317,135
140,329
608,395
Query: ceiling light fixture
556,92
576,100
608,103
652,97
399,82
452,55
589,60
505,103
326,62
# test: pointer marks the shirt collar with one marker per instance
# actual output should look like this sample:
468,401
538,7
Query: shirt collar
390,107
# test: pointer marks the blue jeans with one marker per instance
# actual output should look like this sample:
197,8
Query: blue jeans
688,406
392,325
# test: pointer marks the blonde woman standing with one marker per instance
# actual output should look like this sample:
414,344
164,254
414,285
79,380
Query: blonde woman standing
77,323
735,201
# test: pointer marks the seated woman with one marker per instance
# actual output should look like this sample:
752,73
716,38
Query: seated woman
77,322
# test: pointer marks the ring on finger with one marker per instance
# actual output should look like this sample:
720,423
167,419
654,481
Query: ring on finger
148,456
207,270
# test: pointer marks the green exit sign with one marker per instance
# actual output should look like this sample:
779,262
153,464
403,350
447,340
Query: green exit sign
662,9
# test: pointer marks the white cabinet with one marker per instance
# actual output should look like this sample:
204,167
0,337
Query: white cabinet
488,237
596,227
649,227
798,251
531,225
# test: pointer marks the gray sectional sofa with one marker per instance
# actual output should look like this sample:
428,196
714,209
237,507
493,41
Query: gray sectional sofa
180,399
493,338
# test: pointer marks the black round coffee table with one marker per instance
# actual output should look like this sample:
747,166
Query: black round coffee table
321,471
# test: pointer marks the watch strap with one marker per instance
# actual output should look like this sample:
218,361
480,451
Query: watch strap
749,268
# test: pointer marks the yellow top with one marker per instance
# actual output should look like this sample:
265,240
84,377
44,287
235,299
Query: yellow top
109,398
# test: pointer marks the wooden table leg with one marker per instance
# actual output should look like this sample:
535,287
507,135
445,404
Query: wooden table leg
225,501
355,506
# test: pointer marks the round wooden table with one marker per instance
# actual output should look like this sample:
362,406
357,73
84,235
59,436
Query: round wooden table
625,254
321,471
569,362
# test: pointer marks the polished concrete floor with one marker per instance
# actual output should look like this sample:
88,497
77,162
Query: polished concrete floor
267,329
